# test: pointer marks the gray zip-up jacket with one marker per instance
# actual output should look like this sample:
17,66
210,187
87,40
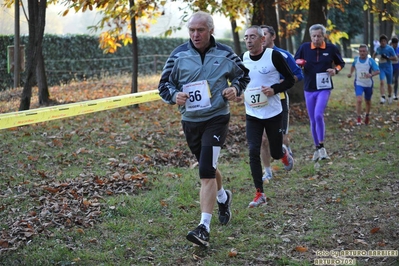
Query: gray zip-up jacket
219,66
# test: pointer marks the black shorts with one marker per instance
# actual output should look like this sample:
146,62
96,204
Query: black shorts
202,137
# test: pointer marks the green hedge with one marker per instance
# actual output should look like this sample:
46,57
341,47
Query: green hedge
76,57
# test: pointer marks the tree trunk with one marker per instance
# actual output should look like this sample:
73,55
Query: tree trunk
236,37
290,45
346,47
317,15
44,95
371,30
265,13
296,94
282,14
389,23
366,26
36,24
135,54
382,28
386,26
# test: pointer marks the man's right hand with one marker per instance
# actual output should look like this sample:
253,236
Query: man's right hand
181,98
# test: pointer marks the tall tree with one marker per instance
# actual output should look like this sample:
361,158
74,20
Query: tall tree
235,10
348,18
236,38
366,21
135,53
387,12
41,78
317,15
118,17
290,20
35,62
264,12
282,14
386,26
37,22
232,9
371,28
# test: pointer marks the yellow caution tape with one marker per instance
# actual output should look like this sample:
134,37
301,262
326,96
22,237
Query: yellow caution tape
21,118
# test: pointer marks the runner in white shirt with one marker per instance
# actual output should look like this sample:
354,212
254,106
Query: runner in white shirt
365,68
263,106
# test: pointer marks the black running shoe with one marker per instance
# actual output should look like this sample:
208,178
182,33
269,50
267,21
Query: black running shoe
199,236
224,209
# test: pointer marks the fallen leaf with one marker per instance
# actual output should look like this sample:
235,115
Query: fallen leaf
51,190
196,257
360,241
86,203
233,253
374,230
276,168
301,249
57,143
28,234
3,243
381,244
288,213
33,158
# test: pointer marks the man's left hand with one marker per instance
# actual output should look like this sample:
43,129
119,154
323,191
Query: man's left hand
331,71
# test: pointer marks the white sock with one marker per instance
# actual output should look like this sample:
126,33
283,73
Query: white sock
206,220
268,168
221,196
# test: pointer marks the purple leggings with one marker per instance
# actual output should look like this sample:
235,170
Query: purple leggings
316,103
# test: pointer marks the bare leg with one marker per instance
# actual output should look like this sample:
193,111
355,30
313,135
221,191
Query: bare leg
368,106
208,194
265,151
359,105
286,140
219,179
389,90
382,88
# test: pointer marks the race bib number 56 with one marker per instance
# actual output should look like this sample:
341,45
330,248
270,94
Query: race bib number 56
199,95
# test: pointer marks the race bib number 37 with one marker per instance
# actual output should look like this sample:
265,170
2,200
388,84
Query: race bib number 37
255,98
199,95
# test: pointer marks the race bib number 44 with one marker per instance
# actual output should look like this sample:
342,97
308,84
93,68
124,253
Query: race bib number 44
199,95
323,81
255,98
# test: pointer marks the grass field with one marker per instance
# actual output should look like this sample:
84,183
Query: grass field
120,187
